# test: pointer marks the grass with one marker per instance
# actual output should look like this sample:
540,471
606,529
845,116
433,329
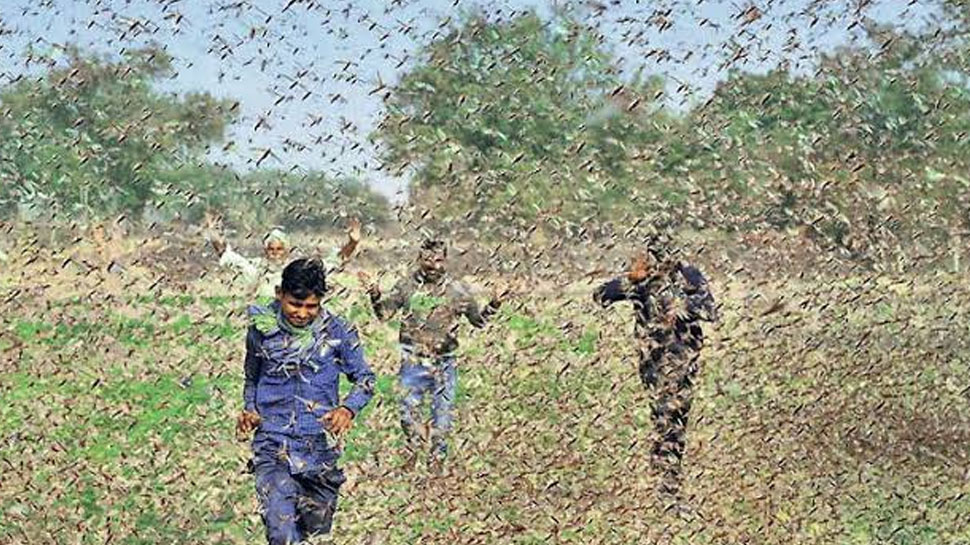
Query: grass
841,419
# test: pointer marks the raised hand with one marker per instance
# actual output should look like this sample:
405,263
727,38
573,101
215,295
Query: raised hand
639,268
353,230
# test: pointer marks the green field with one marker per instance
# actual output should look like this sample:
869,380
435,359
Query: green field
842,418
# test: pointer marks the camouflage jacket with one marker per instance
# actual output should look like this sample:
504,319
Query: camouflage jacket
431,312
683,292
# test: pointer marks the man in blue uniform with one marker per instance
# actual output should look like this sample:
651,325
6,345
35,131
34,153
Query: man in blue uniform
670,298
295,353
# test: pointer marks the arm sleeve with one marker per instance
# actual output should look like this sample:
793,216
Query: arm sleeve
384,308
252,368
478,317
613,291
352,364
699,301
247,268
347,250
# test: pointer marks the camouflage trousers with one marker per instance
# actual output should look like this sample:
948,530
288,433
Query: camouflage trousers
668,372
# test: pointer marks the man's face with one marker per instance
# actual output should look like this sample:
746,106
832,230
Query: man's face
98,233
298,312
275,250
432,262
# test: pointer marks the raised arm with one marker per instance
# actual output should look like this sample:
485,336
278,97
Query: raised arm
352,364
699,301
353,239
476,315
247,268
385,307
618,289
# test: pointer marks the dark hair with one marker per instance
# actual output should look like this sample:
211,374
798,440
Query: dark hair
303,277
435,245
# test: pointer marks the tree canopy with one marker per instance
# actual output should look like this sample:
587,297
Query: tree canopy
90,137
516,120
94,138
523,119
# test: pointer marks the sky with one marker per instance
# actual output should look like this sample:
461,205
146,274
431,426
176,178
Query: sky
309,69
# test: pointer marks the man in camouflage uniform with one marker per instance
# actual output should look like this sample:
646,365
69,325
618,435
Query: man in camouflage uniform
670,298
433,303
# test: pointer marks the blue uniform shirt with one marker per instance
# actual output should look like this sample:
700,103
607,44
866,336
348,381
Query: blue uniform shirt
292,384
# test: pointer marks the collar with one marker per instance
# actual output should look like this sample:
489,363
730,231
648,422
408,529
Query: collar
269,320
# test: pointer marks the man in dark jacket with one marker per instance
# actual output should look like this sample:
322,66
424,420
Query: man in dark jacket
670,298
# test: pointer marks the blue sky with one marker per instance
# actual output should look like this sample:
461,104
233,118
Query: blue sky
308,68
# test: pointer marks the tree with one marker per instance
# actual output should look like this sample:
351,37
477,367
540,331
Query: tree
304,201
846,152
518,119
255,200
89,138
